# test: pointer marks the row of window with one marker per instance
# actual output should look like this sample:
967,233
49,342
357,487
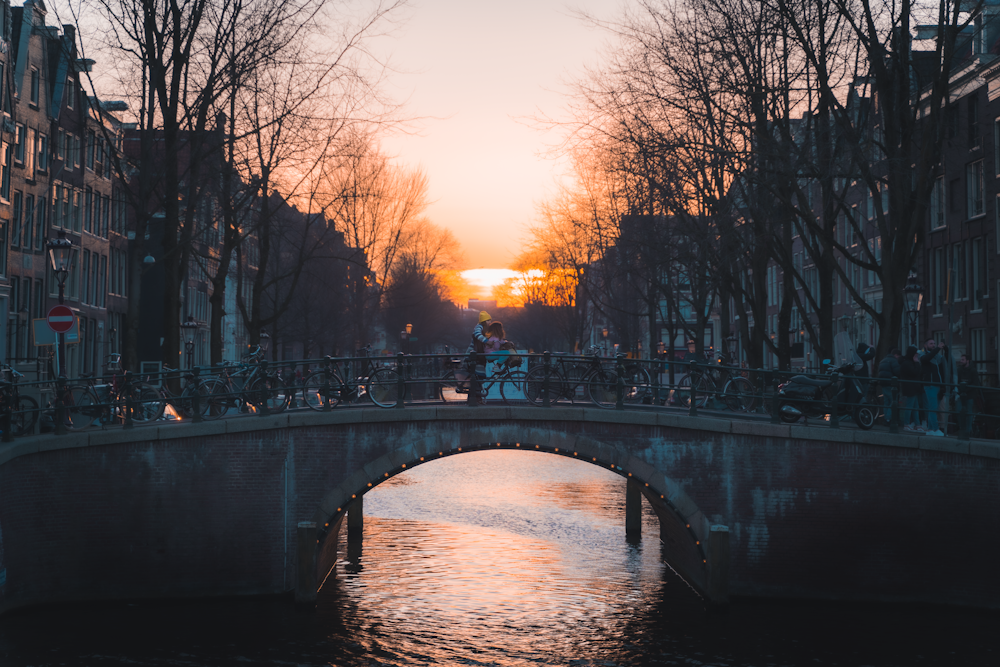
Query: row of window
76,210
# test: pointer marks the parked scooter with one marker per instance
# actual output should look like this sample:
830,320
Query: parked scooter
803,396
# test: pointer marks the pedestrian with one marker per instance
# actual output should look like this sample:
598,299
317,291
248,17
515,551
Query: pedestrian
888,368
967,373
496,337
933,367
913,393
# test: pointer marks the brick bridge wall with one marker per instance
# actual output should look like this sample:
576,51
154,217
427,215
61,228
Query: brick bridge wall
211,509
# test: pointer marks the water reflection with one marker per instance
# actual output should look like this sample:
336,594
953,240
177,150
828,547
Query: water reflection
498,558
504,557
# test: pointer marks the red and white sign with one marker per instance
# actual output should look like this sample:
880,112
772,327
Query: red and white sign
60,319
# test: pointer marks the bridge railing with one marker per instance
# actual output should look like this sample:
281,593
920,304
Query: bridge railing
260,387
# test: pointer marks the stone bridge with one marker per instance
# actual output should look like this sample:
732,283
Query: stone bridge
256,505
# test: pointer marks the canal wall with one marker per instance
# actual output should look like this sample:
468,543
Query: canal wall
181,510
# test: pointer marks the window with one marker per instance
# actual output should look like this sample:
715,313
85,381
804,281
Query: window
959,271
77,151
42,163
3,249
15,220
57,194
974,190
39,223
61,144
105,215
34,88
85,296
29,222
937,203
70,92
76,211
102,283
19,143
6,156
91,146
29,155
88,208
978,268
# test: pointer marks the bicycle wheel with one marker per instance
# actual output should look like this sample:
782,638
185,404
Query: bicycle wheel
81,407
602,388
383,387
147,404
316,389
703,386
637,385
185,403
25,414
452,390
740,394
512,387
219,399
268,393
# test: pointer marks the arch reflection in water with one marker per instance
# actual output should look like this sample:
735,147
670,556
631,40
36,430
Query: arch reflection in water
501,557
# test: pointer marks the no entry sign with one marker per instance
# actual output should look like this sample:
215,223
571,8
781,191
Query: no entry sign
60,319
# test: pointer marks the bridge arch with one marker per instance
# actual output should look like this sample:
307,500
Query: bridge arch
684,529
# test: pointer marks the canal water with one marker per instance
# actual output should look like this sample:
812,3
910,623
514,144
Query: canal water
505,558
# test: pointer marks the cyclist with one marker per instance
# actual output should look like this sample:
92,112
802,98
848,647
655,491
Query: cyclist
478,348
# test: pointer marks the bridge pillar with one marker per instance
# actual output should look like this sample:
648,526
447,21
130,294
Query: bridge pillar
718,566
305,570
633,509
356,519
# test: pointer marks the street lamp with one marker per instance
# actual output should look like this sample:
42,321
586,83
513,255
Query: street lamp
404,338
190,327
61,251
265,340
913,296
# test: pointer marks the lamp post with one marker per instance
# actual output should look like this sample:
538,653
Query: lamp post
265,341
61,251
190,327
404,339
913,296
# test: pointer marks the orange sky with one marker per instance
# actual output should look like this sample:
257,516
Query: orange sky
475,71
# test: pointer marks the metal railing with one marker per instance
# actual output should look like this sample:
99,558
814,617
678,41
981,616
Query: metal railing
256,387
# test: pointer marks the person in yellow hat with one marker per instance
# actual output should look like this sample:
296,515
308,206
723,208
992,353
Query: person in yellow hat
477,349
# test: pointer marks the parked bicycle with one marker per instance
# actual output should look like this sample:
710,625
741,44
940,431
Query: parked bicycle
327,384
599,384
455,384
183,403
23,409
724,382
94,403
245,387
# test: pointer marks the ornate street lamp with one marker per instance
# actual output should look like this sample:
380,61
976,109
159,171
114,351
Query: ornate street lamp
61,251
190,327
265,340
913,296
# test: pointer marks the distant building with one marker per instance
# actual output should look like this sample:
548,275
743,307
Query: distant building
482,304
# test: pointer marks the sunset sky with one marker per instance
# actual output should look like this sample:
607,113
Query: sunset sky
477,71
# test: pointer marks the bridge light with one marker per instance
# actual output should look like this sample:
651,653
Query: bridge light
421,458
557,449
697,541
404,465
647,484
327,524
459,449
440,453
354,495
387,474
688,526
536,446
630,474
594,459
574,453
369,483
517,444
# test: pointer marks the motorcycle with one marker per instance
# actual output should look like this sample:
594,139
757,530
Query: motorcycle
803,396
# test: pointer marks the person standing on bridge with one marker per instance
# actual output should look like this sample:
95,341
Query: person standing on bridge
888,368
477,352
